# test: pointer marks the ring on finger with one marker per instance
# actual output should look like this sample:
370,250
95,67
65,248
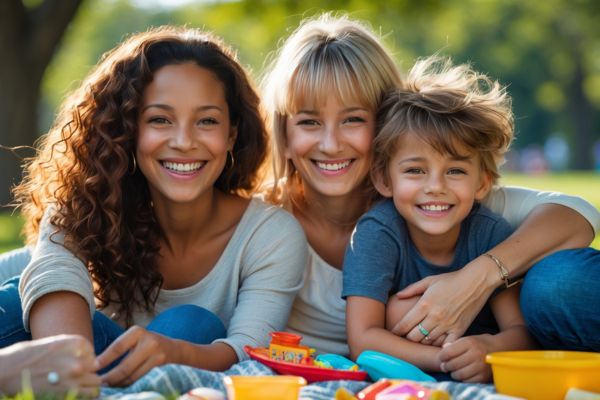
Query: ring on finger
423,331
426,338
53,377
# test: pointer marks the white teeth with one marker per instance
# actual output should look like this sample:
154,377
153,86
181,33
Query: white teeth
435,207
182,167
333,166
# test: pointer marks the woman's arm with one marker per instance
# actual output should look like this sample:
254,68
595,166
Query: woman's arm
269,260
146,350
60,312
450,302
365,322
55,288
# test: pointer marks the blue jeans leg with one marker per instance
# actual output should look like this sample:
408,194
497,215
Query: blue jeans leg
11,314
13,262
560,300
13,331
190,323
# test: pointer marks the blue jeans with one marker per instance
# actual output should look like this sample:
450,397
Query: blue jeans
186,322
560,300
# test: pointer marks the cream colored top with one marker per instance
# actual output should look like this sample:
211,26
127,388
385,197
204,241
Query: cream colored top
251,287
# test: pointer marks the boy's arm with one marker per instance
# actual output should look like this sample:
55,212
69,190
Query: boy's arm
513,334
465,358
365,326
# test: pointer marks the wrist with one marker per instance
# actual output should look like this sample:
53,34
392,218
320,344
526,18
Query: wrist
486,272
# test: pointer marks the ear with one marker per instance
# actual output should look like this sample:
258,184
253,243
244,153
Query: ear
232,137
484,186
381,183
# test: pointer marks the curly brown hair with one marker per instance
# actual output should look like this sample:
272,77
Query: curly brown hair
84,168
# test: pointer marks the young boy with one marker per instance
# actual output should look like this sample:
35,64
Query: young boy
436,153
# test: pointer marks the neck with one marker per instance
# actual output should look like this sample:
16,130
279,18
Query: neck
183,223
437,249
336,211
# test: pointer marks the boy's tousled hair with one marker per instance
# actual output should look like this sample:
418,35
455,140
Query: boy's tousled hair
446,105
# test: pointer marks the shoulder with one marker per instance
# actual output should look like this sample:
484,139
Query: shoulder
485,224
269,221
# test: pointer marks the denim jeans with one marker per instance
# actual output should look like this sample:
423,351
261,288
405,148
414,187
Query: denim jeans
560,300
186,322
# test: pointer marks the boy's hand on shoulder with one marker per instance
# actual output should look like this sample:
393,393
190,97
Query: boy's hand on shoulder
464,359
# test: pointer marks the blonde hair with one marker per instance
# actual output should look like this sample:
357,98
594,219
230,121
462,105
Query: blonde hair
446,105
325,55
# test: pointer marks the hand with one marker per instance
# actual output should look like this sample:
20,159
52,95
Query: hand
143,351
69,358
448,304
465,359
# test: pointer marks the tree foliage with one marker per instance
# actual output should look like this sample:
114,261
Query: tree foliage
547,52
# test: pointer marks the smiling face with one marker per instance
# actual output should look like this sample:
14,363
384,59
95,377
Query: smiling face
434,192
330,146
183,133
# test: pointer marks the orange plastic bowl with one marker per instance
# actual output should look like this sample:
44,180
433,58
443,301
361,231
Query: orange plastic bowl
544,375
266,387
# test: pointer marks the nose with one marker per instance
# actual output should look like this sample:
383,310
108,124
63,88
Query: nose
330,140
183,138
435,184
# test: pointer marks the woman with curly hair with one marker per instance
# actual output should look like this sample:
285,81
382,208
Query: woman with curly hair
139,206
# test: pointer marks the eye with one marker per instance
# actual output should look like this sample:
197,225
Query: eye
158,120
208,121
414,171
457,171
354,119
307,122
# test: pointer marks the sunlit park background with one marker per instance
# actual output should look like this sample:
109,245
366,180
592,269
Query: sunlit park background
548,52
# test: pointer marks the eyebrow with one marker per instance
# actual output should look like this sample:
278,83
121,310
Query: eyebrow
170,108
421,159
345,110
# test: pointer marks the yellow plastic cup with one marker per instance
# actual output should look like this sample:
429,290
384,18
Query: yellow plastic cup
269,387
544,375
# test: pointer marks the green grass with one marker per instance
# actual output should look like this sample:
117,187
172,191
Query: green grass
584,184
10,230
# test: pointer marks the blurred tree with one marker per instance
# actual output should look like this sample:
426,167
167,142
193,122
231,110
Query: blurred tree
30,31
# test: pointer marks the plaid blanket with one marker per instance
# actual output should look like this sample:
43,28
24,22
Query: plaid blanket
171,380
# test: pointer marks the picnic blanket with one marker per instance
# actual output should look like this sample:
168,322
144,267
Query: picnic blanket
170,380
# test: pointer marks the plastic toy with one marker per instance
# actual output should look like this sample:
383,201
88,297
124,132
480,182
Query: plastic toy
386,389
203,393
286,346
379,365
266,387
286,355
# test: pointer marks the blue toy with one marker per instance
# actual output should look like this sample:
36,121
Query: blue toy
335,361
379,365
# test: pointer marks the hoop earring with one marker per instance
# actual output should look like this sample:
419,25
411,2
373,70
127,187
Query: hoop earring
230,154
134,168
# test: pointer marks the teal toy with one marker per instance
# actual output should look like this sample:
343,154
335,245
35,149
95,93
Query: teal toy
336,361
379,365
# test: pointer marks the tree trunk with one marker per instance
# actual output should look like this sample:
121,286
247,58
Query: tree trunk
28,39
582,112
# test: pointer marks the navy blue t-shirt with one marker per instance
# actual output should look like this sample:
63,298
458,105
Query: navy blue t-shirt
381,258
